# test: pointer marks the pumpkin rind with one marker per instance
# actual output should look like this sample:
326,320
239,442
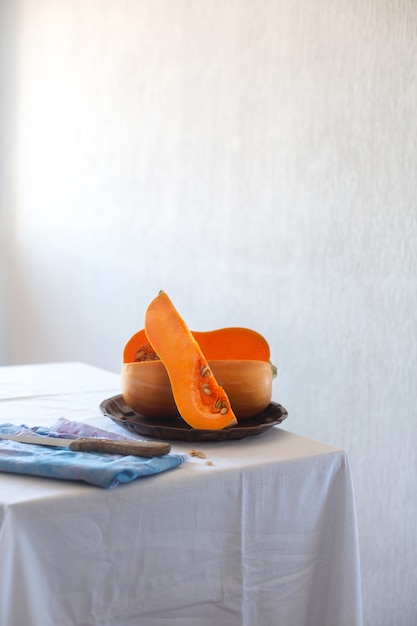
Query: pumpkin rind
146,387
147,390
201,402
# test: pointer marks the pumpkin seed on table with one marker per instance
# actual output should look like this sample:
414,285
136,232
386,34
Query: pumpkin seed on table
200,455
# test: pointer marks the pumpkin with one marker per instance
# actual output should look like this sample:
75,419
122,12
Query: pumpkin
200,400
223,343
146,387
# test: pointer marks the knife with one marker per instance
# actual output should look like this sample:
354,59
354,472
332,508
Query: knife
96,444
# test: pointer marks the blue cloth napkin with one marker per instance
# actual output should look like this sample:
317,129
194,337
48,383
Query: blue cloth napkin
103,470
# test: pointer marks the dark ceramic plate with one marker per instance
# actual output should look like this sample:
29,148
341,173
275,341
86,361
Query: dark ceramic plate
175,428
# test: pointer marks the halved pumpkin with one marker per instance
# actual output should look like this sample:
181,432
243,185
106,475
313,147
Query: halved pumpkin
200,400
235,343
146,387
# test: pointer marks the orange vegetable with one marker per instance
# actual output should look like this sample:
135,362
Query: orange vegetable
146,387
200,400
224,343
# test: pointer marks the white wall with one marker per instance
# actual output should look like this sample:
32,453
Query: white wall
257,161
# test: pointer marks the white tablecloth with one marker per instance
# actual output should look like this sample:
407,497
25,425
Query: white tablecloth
264,536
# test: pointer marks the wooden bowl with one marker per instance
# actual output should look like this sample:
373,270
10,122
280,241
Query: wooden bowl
147,390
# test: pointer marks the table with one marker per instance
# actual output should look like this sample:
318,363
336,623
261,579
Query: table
266,535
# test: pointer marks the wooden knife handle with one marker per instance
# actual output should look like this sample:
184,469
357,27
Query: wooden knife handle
117,446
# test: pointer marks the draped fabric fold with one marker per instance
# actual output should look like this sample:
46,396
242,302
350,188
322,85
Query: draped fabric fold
102,470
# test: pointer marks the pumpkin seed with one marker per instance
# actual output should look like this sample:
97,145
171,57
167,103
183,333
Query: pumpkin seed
205,370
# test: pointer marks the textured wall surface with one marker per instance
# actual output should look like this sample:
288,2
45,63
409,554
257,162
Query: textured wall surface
257,160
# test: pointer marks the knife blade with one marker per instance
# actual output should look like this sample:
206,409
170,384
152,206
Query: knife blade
95,444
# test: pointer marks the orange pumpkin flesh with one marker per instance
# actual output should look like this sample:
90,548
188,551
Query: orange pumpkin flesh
146,387
233,343
200,400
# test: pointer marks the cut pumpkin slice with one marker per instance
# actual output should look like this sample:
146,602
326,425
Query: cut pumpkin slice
200,400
